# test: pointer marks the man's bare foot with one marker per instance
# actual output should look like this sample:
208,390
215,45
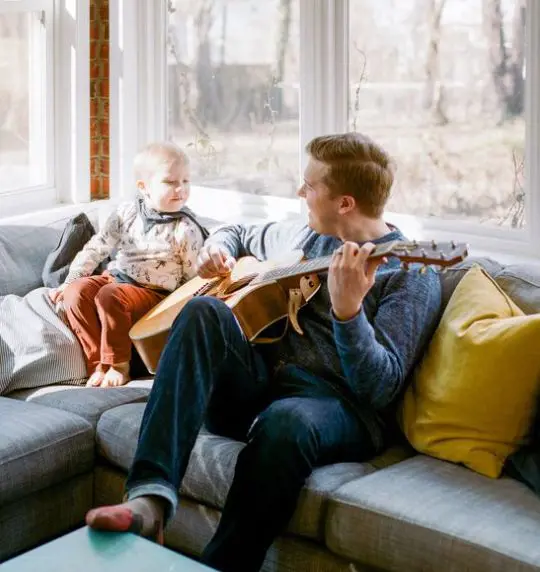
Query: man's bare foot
96,379
142,515
118,374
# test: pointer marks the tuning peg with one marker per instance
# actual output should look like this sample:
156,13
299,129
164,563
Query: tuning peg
453,244
433,245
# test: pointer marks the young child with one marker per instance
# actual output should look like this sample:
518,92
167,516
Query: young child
155,241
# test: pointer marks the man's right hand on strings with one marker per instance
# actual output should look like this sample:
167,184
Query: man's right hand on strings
214,261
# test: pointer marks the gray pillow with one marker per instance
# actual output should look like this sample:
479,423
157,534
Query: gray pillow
77,233
23,250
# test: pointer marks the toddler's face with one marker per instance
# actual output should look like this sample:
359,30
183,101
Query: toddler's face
167,188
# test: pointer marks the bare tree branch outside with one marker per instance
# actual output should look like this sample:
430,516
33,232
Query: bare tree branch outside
440,83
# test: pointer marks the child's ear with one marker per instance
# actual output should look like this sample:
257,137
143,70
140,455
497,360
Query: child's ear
142,187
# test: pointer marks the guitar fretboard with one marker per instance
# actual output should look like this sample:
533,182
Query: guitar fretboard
307,267
317,264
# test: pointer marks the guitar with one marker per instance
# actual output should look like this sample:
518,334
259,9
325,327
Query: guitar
262,293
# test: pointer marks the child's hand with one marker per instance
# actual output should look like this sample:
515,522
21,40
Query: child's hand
56,294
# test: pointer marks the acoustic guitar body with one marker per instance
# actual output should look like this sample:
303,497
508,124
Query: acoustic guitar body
255,306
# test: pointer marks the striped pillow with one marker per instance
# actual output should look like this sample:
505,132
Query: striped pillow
36,347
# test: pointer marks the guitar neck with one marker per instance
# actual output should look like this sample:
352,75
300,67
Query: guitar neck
425,253
306,267
315,265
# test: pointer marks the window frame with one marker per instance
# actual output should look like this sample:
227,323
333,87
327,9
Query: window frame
66,107
324,105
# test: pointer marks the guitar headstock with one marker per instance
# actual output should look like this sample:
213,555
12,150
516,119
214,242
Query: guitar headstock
428,253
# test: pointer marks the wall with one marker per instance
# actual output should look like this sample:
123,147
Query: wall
99,98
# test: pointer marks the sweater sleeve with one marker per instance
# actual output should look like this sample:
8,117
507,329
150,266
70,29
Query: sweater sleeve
97,248
263,241
378,357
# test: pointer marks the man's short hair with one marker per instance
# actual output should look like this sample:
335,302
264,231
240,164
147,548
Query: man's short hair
358,167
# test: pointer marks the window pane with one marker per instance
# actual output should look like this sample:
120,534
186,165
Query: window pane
440,84
233,92
22,97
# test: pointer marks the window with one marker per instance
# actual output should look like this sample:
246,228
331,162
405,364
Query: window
25,97
441,85
233,92
44,104
450,87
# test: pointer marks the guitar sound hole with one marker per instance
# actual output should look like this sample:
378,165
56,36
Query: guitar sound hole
238,285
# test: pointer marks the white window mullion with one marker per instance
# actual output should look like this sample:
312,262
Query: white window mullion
125,95
324,53
153,61
138,96
324,71
532,121
72,100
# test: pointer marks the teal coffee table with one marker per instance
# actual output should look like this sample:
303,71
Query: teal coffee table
87,550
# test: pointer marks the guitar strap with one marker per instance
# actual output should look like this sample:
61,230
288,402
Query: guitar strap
307,288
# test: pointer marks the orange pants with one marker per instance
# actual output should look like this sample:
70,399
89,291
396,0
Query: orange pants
101,312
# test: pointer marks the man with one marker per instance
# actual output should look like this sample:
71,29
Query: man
319,398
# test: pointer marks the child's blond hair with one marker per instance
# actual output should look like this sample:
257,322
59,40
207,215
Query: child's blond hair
156,154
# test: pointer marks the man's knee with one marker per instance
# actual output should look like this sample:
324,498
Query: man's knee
285,424
202,310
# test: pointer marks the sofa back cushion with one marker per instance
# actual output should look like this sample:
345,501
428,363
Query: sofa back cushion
520,281
453,275
522,284
23,250
25,243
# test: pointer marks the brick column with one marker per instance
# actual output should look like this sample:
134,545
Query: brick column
99,99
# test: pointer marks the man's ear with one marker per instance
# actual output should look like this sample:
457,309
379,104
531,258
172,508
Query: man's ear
346,204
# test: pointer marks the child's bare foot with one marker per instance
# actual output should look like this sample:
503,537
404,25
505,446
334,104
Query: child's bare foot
96,379
118,374
143,516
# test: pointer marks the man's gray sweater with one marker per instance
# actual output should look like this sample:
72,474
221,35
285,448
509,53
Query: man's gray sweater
368,358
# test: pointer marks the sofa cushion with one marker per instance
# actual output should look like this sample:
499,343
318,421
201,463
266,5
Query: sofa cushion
452,276
88,403
47,513
211,468
419,513
39,447
78,232
522,284
23,250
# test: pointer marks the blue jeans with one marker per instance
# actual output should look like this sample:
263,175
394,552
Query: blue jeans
290,420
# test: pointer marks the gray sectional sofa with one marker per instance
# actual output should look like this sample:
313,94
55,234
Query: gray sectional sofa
64,450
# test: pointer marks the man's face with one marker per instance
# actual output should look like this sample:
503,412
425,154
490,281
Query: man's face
322,207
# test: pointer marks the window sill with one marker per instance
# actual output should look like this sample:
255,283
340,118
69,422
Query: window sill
13,203
54,214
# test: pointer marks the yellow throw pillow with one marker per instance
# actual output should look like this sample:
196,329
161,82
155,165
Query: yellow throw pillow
473,395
